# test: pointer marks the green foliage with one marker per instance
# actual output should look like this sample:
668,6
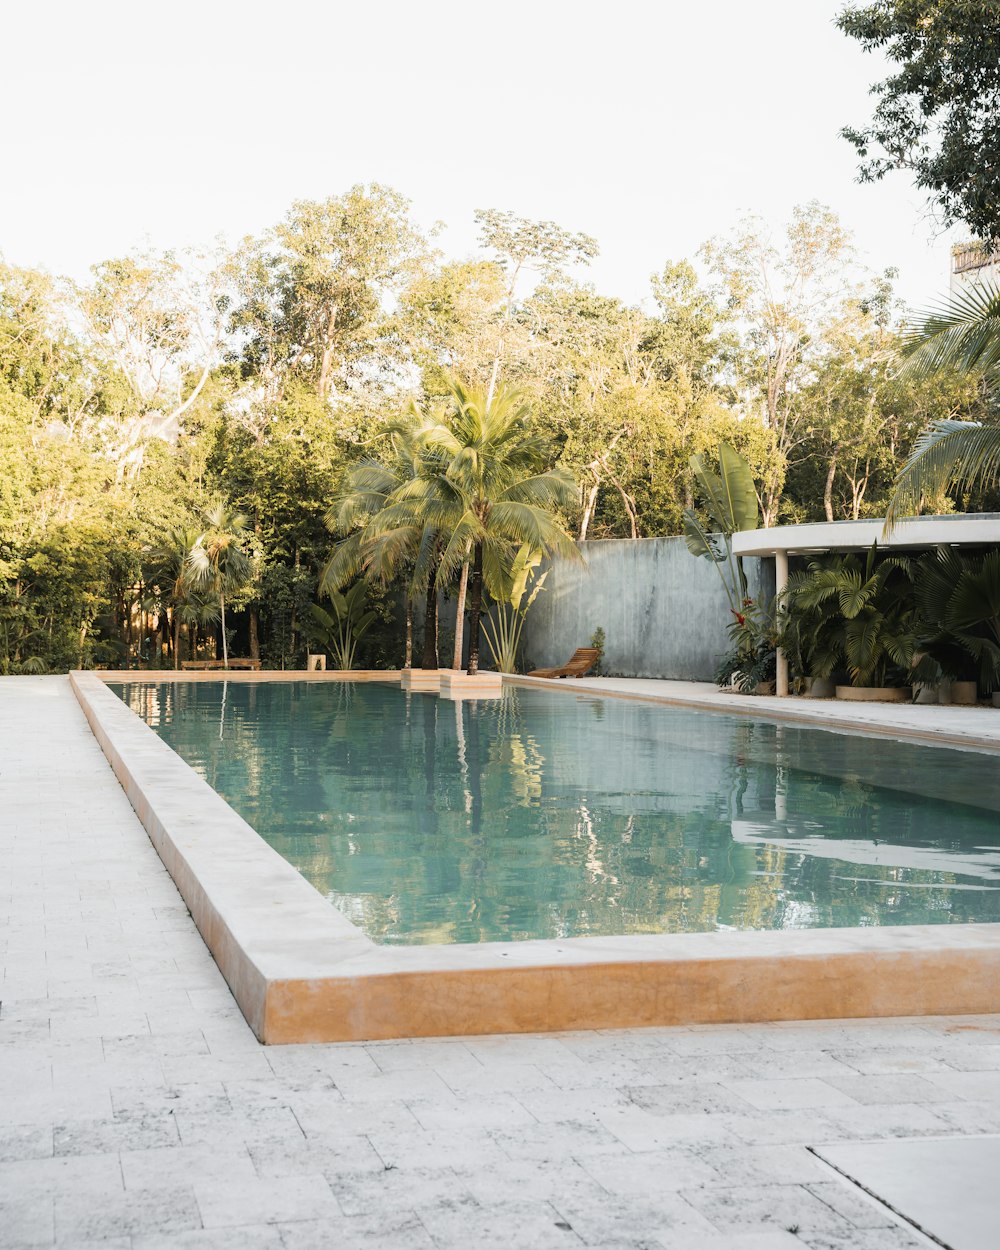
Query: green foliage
217,560
958,617
341,632
285,594
274,379
752,659
937,115
731,503
503,628
962,336
859,615
487,488
597,640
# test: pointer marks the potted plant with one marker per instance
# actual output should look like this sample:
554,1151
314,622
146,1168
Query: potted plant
809,637
944,665
862,617
970,589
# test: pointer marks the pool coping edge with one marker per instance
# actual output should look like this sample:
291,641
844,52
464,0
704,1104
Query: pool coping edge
301,971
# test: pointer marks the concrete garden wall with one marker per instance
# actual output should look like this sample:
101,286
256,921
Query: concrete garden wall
663,611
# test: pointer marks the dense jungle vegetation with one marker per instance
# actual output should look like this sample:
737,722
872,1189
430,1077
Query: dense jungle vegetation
174,390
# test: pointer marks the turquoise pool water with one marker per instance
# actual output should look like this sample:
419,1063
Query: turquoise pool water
545,814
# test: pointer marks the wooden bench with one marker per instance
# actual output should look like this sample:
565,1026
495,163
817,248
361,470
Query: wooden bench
202,665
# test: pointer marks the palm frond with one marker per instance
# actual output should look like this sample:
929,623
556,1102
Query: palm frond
343,565
961,334
523,523
964,454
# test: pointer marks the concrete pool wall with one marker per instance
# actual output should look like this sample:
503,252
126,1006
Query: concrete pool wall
301,972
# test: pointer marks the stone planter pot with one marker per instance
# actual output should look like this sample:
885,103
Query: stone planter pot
928,694
821,688
874,694
764,687
963,693
995,698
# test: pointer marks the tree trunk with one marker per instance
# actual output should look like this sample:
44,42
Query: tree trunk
475,608
463,585
430,655
225,645
293,623
628,502
254,633
588,507
828,488
326,360
177,639
858,489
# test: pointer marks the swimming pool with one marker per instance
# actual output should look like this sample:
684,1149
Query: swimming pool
534,816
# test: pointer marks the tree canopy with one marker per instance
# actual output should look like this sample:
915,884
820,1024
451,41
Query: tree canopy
938,116
273,380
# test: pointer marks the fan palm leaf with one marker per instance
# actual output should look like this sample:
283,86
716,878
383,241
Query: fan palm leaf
962,335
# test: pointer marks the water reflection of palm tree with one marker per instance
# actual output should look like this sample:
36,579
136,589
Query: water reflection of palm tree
429,709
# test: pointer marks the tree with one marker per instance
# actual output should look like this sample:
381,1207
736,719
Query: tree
487,484
939,115
218,560
170,570
384,538
629,399
314,290
963,335
159,322
787,305
519,245
862,419
453,316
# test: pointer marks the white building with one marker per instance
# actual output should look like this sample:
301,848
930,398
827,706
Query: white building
972,264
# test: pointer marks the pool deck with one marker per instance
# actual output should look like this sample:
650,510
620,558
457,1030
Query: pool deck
140,1113
971,727
301,972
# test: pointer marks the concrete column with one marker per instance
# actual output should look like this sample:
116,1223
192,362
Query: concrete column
780,582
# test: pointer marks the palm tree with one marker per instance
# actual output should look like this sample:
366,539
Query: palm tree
963,335
484,484
383,539
218,560
171,572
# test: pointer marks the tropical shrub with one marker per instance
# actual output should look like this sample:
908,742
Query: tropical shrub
341,632
752,660
856,614
503,627
597,640
958,617
731,503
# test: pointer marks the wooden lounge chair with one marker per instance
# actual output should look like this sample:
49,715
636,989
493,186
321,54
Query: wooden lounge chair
579,665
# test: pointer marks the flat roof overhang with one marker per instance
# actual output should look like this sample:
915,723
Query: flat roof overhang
961,529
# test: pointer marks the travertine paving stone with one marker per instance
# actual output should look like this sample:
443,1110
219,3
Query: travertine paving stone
138,1112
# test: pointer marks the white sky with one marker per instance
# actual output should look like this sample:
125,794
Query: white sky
649,125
